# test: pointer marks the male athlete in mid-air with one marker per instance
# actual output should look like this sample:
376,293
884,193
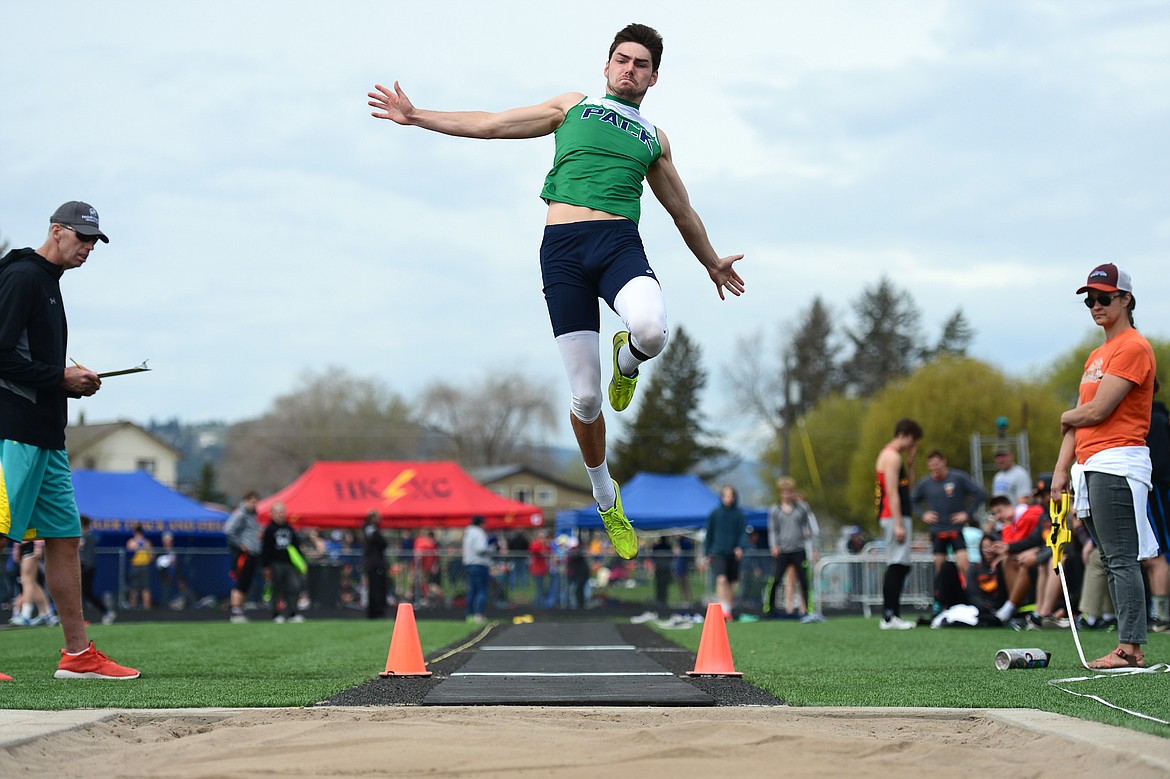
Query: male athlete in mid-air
605,148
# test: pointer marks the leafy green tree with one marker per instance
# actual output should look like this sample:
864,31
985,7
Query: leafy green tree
885,338
956,338
822,446
667,434
951,398
206,491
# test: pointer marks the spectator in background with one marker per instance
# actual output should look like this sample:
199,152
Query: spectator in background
1011,479
662,554
894,471
428,571
951,498
141,561
986,587
31,555
684,564
279,538
477,561
1095,603
170,578
374,565
242,529
1018,536
723,547
789,527
577,572
539,568
517,561
1157,569
88,553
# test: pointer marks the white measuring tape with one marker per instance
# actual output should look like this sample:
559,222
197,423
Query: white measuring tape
1105,673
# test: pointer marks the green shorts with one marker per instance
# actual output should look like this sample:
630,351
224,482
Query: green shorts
36,493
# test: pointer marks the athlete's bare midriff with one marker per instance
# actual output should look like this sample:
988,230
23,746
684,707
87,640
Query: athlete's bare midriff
563,213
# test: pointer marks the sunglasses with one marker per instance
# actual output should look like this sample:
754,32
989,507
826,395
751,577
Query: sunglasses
94,239
1103,299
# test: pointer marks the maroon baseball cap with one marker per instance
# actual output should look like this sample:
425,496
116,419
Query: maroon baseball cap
1108,278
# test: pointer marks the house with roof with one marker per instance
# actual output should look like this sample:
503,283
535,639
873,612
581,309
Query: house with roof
529,485
121,447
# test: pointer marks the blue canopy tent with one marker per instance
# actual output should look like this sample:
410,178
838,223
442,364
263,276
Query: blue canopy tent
655,501
118,502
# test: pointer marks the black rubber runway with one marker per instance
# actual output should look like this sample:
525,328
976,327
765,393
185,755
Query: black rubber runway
564,663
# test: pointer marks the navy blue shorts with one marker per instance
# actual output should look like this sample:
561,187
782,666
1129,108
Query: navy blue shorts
583,261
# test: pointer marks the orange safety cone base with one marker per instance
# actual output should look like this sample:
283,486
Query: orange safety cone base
405,657
714,658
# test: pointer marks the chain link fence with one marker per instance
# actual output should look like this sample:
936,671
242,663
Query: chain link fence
199,578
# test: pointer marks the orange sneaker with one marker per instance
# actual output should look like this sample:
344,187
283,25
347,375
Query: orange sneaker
92,664
6,678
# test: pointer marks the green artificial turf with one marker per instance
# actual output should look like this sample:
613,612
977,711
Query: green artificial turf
848,661
204,664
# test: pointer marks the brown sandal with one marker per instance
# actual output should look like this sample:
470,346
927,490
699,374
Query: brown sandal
1119,658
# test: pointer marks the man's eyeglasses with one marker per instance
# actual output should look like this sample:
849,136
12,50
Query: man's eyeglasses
1103,299
94,239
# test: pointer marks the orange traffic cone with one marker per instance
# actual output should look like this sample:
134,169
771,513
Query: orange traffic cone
406,657
714,657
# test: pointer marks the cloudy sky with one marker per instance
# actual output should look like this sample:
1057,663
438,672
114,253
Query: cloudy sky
983,155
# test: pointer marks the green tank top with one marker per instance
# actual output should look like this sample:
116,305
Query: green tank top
604,149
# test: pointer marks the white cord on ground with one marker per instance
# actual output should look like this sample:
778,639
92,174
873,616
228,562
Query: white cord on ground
1106,673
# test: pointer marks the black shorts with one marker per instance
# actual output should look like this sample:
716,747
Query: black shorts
725,566
244,570
583,261
940,543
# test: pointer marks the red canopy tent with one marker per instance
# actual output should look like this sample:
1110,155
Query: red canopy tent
407,495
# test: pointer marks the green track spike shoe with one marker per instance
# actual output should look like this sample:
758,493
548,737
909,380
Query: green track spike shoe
621,532
621,388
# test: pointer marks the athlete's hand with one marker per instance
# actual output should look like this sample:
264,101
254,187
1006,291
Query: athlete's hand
725,276
392,105
930,517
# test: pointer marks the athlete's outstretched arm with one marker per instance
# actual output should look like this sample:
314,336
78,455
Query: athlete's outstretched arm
668,188
528,122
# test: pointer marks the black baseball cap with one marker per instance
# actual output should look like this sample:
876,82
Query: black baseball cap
82,217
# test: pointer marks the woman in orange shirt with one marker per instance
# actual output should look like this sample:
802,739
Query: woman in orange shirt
1103,458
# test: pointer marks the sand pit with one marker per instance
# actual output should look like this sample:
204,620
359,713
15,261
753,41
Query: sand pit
587,743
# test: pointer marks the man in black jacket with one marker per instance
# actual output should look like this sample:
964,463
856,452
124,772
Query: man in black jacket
36,494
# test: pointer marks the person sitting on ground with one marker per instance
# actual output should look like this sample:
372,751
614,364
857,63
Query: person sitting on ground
1018,535
986,587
